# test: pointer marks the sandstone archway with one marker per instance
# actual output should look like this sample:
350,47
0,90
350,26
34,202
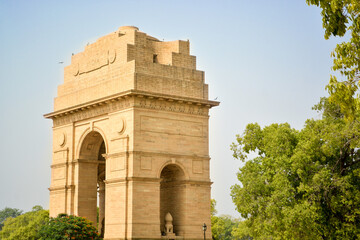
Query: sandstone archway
91,187
141,104
172,196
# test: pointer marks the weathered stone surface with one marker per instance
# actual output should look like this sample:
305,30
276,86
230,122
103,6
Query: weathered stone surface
130,131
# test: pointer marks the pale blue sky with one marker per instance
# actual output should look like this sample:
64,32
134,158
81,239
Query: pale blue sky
266,61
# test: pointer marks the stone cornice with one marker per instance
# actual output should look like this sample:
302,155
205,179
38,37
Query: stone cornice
160,154
88,161
149,179
188,182
171,155
61,164
127,94
134,179
59,188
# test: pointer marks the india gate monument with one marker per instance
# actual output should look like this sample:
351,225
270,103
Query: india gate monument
130,138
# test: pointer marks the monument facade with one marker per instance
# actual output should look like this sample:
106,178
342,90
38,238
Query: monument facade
130,137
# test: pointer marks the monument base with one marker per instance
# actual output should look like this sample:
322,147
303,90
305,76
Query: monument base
171,236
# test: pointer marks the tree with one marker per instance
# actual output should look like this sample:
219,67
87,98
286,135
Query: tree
68,227
213,208
340,17
301,184
8,212
25,226
222,227
306,184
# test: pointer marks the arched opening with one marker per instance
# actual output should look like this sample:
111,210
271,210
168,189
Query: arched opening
91,187
172,197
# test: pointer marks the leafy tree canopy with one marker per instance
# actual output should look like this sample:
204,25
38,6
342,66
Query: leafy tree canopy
8,212
306,184
340,17
68,227
302,184
224,227
25,226
213,209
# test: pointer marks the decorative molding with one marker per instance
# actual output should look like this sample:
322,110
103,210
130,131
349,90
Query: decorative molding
58,188
187,182
87,161
114,155
112,55
133,179
91,112
61,150
172,106
121,126
57,165
131,99
171,156
62,139
119,138
93,62
109,156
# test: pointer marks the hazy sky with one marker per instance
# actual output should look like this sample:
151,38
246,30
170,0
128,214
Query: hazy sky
266,61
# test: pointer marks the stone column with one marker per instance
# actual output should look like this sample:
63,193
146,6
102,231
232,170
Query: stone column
86,189
101,226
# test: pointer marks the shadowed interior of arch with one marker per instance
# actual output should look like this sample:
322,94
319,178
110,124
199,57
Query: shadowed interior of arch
172,197
91,187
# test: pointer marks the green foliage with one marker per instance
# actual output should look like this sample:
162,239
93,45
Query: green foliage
302,184
68,227
339,17
8,212
25,226
213,209
223,227
306,184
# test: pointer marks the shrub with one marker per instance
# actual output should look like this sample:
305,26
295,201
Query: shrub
68,227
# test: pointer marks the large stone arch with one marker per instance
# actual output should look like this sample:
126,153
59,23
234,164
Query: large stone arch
85,134
91,169
158,175
172,196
